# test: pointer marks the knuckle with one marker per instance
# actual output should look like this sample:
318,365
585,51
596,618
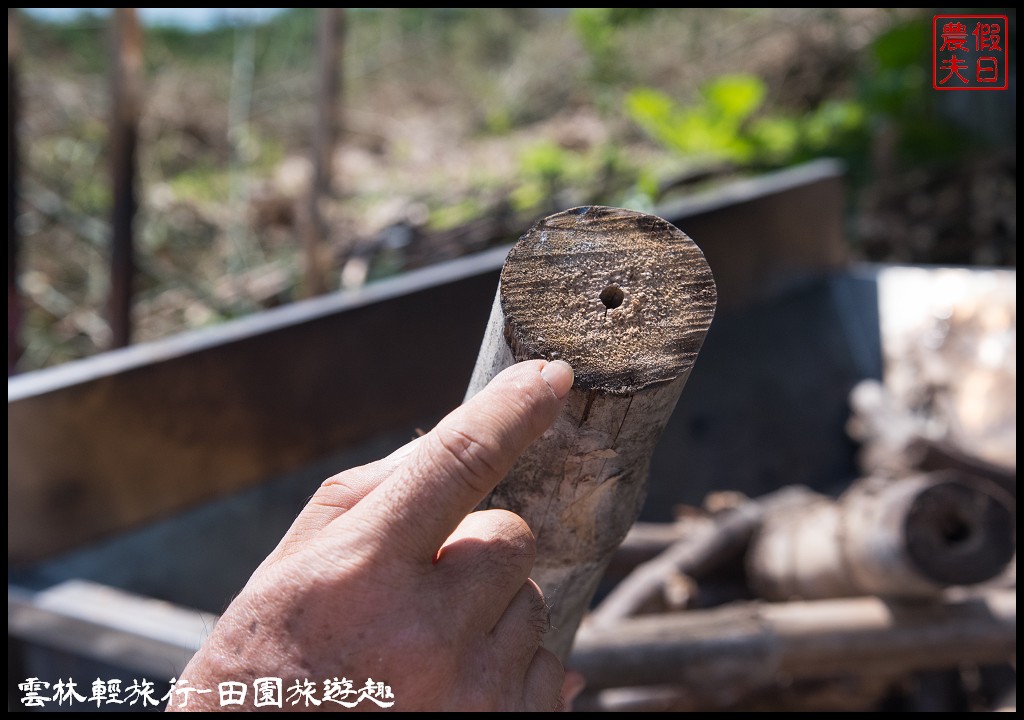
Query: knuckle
467,458
334,492
511,533
496,546
509,542
509,558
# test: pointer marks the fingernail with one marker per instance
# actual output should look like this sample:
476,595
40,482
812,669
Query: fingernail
559,376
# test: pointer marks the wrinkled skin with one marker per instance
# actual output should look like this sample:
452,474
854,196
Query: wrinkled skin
389,574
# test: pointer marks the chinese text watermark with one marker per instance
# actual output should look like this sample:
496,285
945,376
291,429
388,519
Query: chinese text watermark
262,692
969,52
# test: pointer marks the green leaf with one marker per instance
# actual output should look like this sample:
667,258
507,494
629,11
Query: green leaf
545,160
735,96
776,137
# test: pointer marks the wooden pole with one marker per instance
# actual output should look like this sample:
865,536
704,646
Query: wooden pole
126,94
911,537
330,33
626,299
240,138
13,298
734,649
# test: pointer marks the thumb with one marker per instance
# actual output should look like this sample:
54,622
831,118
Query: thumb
460,461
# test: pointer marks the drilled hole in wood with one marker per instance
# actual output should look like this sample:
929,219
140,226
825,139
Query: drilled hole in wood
612,296
955,529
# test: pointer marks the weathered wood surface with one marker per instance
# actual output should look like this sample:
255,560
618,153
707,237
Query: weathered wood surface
626,299
911,537
130,436
731,650
734,226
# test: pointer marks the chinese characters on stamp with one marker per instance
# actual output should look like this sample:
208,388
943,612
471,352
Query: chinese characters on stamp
969,52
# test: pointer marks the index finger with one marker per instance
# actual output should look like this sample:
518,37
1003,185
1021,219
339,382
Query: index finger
460,461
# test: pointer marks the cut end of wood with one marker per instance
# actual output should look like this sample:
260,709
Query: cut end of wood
625,298
958,534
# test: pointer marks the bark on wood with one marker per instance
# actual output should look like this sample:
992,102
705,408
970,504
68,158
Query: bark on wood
907,538
740,648
626,299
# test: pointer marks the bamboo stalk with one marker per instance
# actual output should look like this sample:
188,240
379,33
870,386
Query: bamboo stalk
626,299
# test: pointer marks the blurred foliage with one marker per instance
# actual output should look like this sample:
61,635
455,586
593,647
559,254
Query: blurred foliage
896,89
713,127
724,125
892,94
545,167
453,214
551,175
449,114
599,31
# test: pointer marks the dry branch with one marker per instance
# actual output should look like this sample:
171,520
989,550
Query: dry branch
643,542
697,553
126,81
911,537
626,299
727,652
330,34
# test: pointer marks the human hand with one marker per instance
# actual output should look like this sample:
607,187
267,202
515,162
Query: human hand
387,573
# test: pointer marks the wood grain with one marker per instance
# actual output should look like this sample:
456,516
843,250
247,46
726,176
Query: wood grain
623,297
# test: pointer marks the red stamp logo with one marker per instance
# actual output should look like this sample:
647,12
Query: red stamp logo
969,52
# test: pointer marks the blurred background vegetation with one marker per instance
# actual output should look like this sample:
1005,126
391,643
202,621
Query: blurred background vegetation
461,126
